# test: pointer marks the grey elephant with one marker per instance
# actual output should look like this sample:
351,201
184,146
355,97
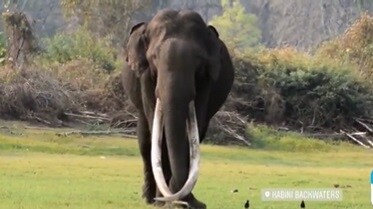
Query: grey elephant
178,73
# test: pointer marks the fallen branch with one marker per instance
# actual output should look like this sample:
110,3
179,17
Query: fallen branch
229,125
41,120
235,135
359,134
126,133
370,130
118,124
131,114
370,142
354,139
93,114
366,120
88,117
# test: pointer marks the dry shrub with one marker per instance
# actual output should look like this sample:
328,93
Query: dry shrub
46,94
354,46
80,75
110,98
96,89
7,74
30,91
284,56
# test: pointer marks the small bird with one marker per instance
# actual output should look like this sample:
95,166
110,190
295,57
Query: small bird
302,204
247,204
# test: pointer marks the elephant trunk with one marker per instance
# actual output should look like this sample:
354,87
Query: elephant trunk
183,154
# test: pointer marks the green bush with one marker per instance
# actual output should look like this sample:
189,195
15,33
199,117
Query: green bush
80,44
286,86
2,48
239,29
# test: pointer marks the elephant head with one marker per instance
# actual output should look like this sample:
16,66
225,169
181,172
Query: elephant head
138,43
184,57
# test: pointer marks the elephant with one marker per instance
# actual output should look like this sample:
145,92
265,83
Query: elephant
177,73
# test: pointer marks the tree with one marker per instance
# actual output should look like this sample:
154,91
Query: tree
44,16
21,40
105,18
237,28
24,22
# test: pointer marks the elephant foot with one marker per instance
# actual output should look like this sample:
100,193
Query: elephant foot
148,193
189,202
159,204
193,203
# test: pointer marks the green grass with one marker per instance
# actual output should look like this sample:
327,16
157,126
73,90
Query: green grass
41,170
270,139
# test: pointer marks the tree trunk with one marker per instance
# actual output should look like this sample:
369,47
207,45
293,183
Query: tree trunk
21,42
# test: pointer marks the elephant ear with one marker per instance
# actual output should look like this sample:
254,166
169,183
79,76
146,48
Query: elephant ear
214,53
213,30
135,53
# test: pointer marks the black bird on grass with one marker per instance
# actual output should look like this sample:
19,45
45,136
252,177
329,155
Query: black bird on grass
247,204
302,204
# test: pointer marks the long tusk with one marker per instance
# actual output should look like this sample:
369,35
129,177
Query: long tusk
194,154
156,150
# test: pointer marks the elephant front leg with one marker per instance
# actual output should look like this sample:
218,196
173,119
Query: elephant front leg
149,187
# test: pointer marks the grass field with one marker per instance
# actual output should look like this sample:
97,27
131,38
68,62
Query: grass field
39,169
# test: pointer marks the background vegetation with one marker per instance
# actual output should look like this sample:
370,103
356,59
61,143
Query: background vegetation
285,86
78,69
236,27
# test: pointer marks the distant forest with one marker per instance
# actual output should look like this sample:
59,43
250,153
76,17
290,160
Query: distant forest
303,24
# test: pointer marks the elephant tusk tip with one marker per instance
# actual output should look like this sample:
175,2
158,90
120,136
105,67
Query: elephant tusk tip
160,199
168,199
165,199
